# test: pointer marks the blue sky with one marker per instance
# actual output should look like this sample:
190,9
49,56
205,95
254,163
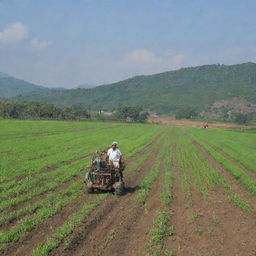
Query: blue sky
63,43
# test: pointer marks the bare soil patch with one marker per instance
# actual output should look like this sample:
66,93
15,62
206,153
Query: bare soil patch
185,122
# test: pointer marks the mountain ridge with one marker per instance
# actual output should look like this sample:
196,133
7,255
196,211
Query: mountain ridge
164,92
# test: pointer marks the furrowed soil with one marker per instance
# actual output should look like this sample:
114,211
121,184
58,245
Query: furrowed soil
34,238
131,234
209,225
52,168
235,185
204,225
235,162
102,230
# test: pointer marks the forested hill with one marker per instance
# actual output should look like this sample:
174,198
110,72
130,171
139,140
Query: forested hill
165,92
10,87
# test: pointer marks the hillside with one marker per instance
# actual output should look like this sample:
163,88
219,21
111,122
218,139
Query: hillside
83,86
164,92
11,87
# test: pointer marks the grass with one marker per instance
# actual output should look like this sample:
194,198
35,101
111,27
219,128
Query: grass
30,196
241,176
161,227
74,187
33,146
240,202
238,145
85,137
148,181
192,218
50,208
67,228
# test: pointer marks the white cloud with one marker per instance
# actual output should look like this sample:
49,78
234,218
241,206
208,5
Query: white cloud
141,56
13,33
144,61
39,44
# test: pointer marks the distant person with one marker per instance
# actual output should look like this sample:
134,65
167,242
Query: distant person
206,125
114,155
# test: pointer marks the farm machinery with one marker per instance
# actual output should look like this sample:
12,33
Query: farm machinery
101,176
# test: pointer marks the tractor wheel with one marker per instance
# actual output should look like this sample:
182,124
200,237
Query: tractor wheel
119,188
89,190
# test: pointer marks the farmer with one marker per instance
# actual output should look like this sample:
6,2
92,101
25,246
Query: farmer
114,155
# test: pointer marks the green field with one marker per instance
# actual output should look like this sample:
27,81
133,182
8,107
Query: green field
190,191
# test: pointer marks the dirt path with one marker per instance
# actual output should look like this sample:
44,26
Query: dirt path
209,225
92,239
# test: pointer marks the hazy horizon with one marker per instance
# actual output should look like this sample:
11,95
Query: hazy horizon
69,43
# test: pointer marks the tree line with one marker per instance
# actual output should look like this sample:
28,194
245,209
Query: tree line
36,110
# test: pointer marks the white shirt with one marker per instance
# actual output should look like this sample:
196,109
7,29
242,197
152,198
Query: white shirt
114,155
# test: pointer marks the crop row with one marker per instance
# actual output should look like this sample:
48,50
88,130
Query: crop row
200,175
79,217
35,154
240,175
55,202
49,209
68,227
162,227
148,181
34,186
65,174
238,145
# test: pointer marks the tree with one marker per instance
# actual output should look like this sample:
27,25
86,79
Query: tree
143,117
241,118
186,112
36,110
128,112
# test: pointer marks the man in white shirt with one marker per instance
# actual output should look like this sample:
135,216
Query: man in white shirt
114,155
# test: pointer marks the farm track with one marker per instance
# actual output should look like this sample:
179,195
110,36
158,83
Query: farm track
220,228
235,162
235,185
106,217
39,233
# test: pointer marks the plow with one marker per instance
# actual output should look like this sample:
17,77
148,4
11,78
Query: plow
101,176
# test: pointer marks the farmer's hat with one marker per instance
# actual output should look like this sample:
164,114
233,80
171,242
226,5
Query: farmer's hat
114,143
